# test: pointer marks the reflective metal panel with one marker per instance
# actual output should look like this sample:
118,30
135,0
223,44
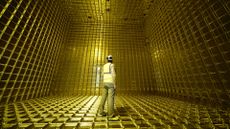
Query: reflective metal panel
151,112
31,37
172,48
87,49
189,44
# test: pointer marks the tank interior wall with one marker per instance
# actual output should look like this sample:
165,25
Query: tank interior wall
86,51
190,49
186,54
32,33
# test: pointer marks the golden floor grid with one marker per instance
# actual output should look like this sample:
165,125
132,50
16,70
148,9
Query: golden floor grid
142,112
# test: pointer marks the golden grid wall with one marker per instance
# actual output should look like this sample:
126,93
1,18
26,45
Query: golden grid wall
88,46
31,36
189,43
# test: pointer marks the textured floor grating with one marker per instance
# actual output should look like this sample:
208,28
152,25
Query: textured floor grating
144,112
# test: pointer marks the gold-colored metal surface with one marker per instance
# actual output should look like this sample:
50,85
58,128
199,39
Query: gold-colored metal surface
145,112
173,48
97,29
107,11
189,45
87,49
31,37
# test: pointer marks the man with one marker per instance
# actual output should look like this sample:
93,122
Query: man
109,76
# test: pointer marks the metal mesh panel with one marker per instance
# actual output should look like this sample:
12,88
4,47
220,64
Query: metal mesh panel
86,51
186,54
99,28
189,42
81,112
171,48
30,41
